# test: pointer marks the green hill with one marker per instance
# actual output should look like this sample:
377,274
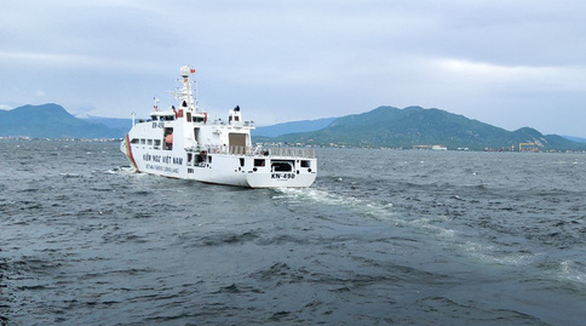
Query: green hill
289,127
392,127
123,125
50,121
382,127
576,139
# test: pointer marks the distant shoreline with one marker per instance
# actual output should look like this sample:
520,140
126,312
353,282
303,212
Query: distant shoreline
331,147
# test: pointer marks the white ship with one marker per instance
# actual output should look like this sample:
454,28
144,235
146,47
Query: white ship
183,143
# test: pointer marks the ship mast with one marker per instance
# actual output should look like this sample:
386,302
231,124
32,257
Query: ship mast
185,94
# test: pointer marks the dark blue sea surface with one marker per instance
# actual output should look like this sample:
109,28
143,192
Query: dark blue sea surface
383,237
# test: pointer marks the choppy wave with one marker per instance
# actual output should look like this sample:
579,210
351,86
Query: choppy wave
122,170
490,254
438,227
568,271
363,207
404,237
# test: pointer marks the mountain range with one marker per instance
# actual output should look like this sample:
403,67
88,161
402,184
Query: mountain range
388,126
51,121
576,139
292,127
384,126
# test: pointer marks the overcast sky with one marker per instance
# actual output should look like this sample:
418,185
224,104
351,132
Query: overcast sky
510,63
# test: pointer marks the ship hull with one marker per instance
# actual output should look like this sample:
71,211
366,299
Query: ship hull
250,171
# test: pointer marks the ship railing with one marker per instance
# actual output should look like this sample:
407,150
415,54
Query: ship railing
290,152
260,151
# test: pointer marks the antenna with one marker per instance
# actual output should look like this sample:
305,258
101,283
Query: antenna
196,95
156,105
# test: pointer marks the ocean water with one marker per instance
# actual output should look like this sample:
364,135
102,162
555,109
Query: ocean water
381,238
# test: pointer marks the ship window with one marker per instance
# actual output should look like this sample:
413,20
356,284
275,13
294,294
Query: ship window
157,143
189,157
188,116
281,166
154,117
196,134
149,142
134,141
242,161
305,164
210,159
168,136
259,162
142,141
201,158
236,118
